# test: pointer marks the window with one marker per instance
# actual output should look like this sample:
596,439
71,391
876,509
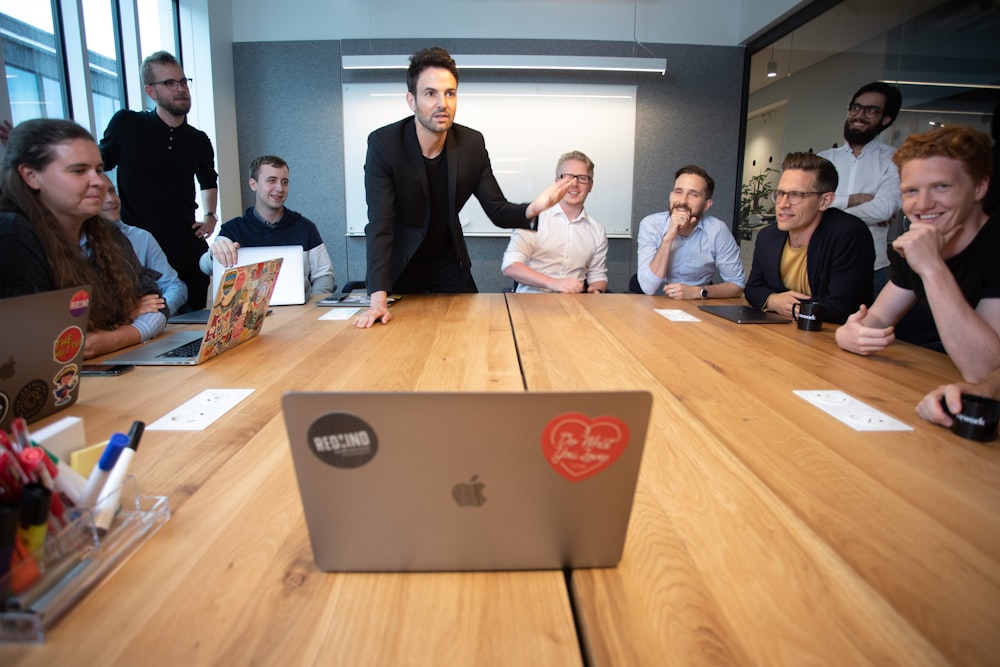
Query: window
107,92
36,82
42,83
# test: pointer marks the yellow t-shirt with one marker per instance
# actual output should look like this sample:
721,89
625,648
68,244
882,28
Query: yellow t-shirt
793,268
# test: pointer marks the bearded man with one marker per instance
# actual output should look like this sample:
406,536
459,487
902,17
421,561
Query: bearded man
680,250
158,156
869,181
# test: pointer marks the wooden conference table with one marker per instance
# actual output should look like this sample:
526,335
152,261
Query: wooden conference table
763,530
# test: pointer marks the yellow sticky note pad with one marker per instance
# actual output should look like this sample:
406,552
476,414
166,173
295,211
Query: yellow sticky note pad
84,460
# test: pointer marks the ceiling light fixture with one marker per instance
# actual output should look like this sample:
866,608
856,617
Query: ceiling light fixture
772,67
578,63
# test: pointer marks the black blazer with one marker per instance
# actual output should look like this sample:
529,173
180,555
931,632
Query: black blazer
397,193
839,263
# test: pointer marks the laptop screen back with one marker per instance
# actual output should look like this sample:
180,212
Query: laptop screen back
41,352
466,481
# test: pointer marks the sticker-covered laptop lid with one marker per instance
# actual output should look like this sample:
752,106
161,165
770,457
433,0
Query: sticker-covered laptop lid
41,352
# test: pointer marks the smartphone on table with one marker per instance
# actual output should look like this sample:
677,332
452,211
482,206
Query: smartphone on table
105,369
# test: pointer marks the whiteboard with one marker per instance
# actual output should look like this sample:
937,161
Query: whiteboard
527,127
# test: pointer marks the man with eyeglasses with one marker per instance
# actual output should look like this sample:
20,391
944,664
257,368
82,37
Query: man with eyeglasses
814,251
419,172
159,156
869,181
682,249
569,252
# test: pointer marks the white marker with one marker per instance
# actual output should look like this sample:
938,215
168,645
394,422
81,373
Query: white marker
107,504
99,475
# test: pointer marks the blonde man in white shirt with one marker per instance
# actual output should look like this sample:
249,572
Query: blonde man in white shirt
869,181
569,251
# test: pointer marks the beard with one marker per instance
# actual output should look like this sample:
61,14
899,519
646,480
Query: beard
175,107
860,137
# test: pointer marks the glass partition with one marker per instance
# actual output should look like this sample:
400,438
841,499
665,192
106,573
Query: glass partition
944,56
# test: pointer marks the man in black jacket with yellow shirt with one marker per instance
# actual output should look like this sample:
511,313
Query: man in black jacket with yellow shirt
419,172
814,251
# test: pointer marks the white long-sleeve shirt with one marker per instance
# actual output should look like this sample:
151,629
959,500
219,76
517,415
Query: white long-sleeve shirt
561,248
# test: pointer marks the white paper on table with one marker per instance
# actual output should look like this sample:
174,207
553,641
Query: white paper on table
859,416
676,315
339,314
200,412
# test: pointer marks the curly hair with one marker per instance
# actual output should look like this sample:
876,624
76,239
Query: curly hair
957,142
432,57
112,270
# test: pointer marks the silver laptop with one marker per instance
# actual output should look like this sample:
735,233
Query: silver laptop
466,481
290,288
237,315
41,351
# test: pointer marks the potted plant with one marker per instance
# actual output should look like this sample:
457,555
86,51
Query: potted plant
755,199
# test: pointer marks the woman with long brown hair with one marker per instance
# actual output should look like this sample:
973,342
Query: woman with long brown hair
52,187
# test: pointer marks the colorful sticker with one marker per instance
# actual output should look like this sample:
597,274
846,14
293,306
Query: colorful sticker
578,447
78,303
68,344
65,382
31,399
342,440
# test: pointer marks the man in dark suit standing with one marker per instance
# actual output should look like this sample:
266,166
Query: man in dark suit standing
419,172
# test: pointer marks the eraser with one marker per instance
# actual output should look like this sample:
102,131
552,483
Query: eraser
84,460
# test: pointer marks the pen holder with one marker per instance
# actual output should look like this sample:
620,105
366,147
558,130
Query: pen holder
72,562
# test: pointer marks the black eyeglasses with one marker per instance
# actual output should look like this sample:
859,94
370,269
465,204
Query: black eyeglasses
794,198
866,109
172,84
583,179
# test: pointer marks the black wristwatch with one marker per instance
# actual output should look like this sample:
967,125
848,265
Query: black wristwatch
704,292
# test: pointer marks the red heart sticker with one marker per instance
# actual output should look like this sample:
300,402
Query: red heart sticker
578,447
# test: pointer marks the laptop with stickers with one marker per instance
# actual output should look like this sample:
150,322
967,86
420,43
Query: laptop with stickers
290,288
399,482
41,351
236,316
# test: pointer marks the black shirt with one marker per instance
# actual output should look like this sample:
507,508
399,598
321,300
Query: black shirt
157,166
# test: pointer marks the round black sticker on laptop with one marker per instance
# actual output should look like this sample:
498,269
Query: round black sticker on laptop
342,440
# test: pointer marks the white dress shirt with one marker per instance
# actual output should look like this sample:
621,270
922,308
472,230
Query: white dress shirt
874,173
561,248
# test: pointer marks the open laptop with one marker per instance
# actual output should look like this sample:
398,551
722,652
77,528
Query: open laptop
237,314
745,315
466,481
290,288
41,352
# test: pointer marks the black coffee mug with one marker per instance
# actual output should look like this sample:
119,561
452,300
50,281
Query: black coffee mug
808,315
978,418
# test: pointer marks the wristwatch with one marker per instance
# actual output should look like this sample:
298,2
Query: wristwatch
704,293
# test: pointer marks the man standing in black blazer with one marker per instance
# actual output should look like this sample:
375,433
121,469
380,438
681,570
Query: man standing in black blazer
814,251
419,172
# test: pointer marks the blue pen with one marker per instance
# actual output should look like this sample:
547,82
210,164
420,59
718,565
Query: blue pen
99,475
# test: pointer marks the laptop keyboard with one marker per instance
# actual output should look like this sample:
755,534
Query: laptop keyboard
184,351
